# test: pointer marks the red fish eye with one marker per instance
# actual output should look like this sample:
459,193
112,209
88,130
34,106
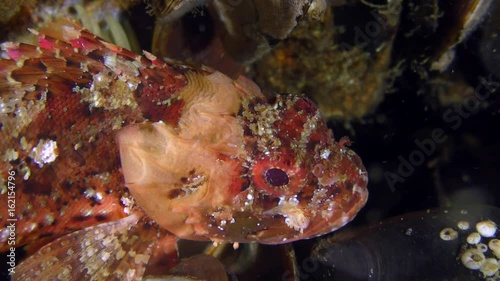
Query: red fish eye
276,177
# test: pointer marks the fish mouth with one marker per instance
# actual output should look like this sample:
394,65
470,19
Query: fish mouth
292,220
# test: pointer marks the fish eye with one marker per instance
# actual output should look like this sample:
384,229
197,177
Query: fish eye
276,177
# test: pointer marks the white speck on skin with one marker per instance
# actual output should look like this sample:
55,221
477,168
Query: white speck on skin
130,274
49,219
325,153
98,196
345,219
357,189
127,203
120,254
132,86
89,193
105,256
30,227
23,143
110,61
10,155
88,213
294,216
44,152
4,234
26,172
141,259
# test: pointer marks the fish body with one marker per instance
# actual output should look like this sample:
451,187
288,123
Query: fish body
101,141
60,111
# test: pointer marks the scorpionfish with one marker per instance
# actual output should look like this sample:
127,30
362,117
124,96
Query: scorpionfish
107,157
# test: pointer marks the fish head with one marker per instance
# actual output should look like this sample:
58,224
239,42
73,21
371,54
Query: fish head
238,167
303,182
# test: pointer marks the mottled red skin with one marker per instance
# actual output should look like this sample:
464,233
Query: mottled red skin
303,183
60,186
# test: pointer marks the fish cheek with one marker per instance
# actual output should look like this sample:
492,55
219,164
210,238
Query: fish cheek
172,178
148,170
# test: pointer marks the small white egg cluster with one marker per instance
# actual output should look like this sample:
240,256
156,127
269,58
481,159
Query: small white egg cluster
482,251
